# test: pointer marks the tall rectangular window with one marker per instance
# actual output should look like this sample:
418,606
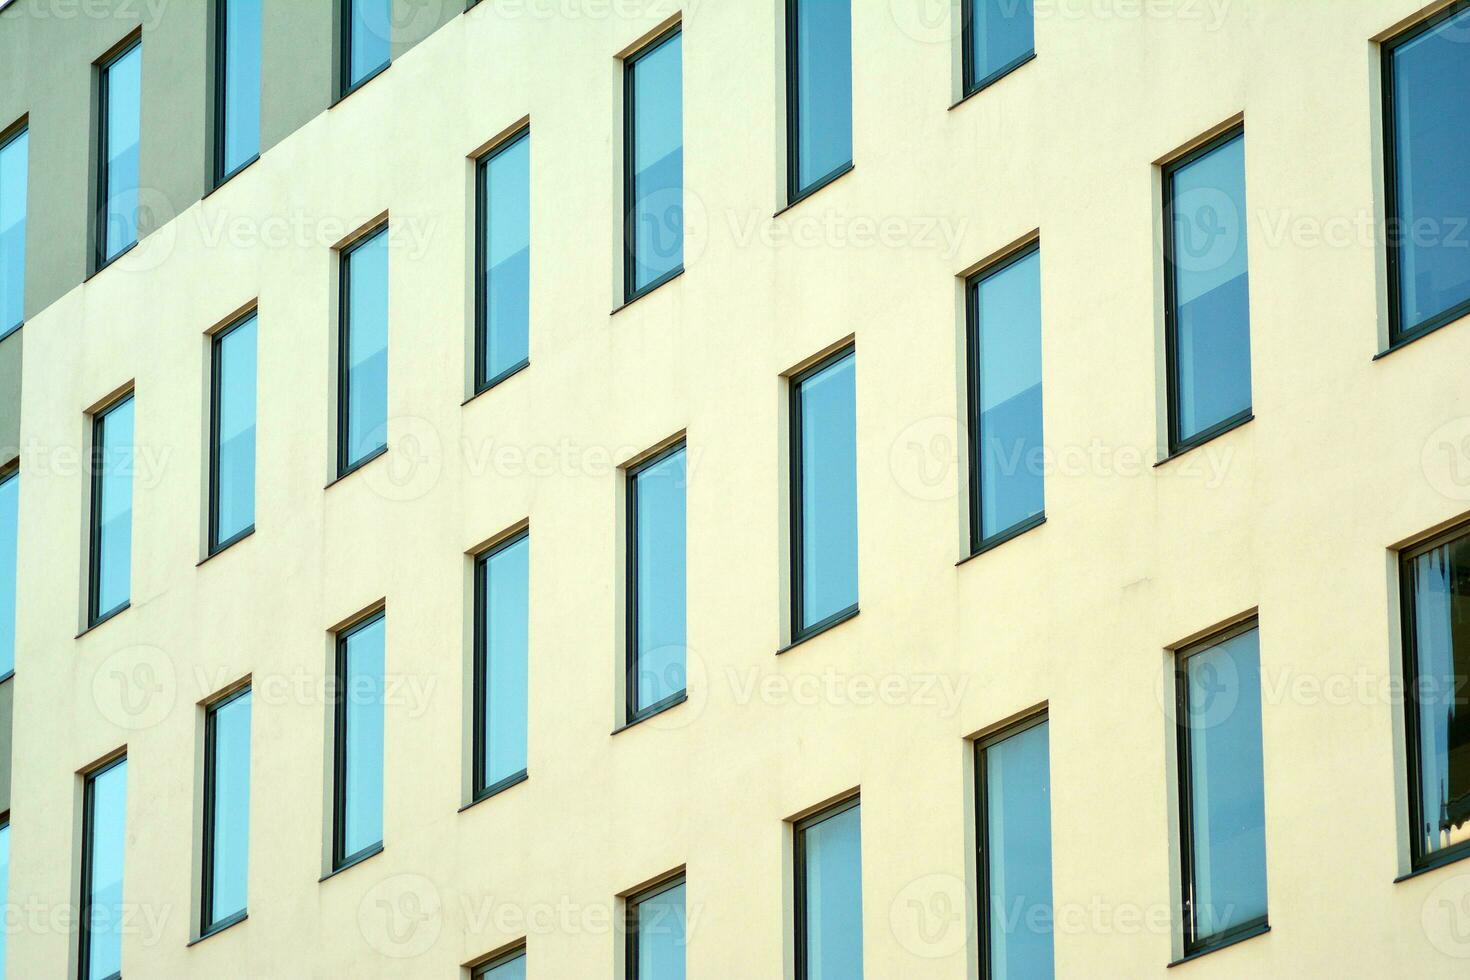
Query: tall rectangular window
1207,297
4,882
503,261
999,37
1426,112
502,657
112,511
14,164
1013,790
1435,589
120,95
1007,462
362,385
358,809
656,583
656,933
9,568
829,894
236,86
653,164
232,434
511,966
1222,809
226,811
104,804
818,93
824,579
366,40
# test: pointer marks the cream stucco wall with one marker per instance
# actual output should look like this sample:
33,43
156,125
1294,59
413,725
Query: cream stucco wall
1293,514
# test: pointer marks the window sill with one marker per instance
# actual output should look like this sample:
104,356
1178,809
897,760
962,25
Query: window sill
1226,943
831,178
1449,317
226,545
503,376
1010,534
375,454
98,271
994,77
1453,856
830,623
220,927
226,178
8,675
106,617
354,861
495,789
666,278
1208,436
357,86
12,330
653,711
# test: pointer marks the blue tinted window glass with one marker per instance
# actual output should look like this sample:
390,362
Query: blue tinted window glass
1001,34
240,76
362,739
1431,115
660,939
369,35
9,569
365,349
506,597
1211,342
14,164
1227,834
230,808
655,229
821,58
505,190
511,969
659,580
234,431
1016,846
4,886
827,431
102,892
122,112
112,508
1007,362
832,898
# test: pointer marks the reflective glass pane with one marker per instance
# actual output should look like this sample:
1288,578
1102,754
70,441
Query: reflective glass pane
123,113
102,888
827,405
369,36
832,907
1016,846
656,212
14,164
659,583
230,808
9,570
660,940
822,59
112,508
365,344
240,76
512,969
362,741
1002,32
234,431
505,189
505,581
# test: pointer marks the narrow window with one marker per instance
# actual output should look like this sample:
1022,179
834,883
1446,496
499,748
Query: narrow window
1013,788
999,37
829,894
367,31
656,583
236,86
358,823
362,396
9,569
824,494
1436,610
511,966
653,154
232,434
120,98
818,93
656,933
1426,91
1222,805
502,337
226,811
102,924
1207,310
1007,464
112,511
502,645
14,164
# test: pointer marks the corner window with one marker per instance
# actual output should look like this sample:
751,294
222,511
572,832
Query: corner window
656,933
1013,788
112,511
818,93
358,740
14,163
999,37
120,96
226,811
104,802
503,261
829,894
656,583
1207,298
502,654
236,86
1007,463
365,44
362,355
232,434
824,579
511,966
1222,809
653,165
9,570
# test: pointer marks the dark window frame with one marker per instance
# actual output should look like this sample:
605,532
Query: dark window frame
1397,334
208,924
345,85
221,66
340,860
481,789
100,260
216,545
631,290
498,960
1177,444
96,615
344,337
799,889
632,714
632,906
795,191
1195,945
11,471
969,83
482,163
8,136
89,829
